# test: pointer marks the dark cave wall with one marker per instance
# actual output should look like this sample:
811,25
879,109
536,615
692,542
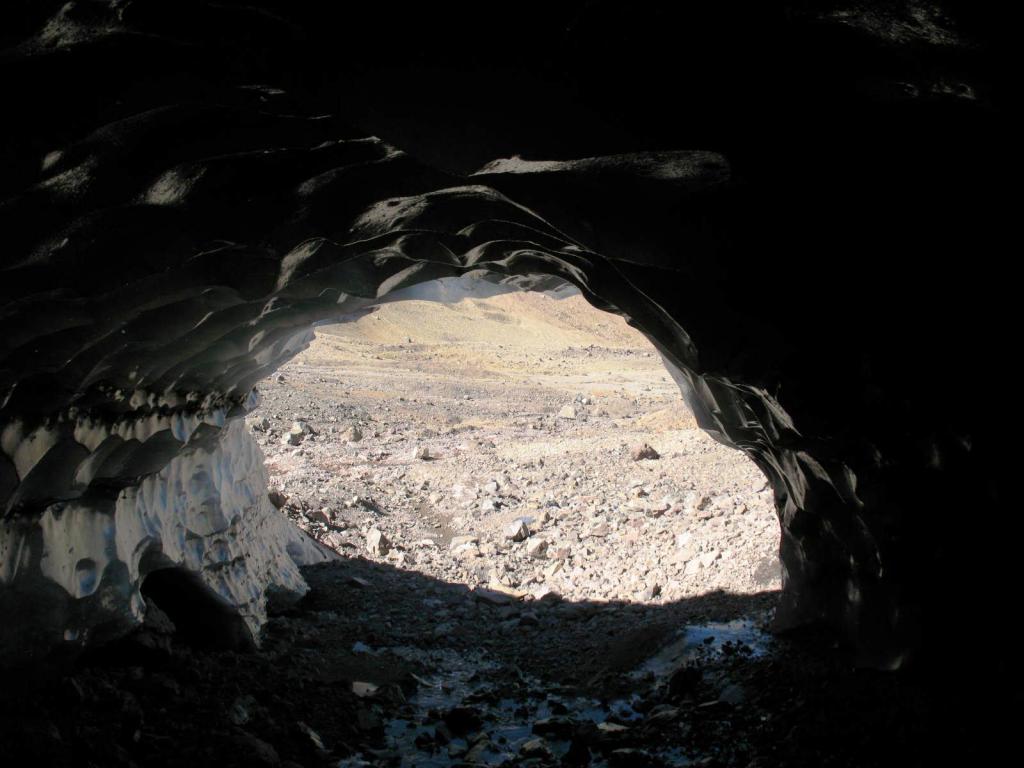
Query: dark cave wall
796,203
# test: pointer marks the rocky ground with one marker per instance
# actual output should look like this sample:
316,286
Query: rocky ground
502,443
542,563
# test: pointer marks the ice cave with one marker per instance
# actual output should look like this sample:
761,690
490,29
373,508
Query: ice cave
797,204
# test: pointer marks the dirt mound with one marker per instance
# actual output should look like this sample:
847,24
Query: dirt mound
527,319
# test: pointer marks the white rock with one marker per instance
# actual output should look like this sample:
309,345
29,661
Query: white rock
468,551
649,593
558,553
567,412
545,592
377,543
335,541
536,548
708,558
518,531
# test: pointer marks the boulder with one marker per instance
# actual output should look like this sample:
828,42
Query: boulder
377,543
517,531
644,451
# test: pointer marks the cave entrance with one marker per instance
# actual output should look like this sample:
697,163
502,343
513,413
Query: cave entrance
520,441
533,529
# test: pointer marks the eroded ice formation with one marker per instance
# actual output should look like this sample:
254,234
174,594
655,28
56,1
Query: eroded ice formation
113,502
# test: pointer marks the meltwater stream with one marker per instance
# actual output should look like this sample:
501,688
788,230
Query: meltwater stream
471,710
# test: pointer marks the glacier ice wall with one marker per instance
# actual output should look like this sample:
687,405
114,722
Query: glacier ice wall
121,515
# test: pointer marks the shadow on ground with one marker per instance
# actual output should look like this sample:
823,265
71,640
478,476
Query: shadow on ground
381,666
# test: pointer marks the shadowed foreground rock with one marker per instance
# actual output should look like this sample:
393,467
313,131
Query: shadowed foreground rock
796,206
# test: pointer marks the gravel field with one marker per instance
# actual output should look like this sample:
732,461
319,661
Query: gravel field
500,443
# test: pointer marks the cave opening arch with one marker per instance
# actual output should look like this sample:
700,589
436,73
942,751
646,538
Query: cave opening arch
558,389
173,445
119,421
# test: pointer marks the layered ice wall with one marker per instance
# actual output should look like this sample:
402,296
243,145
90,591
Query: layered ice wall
72,572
